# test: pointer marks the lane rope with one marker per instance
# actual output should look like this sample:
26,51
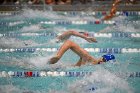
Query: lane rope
75,13
90,34
22,74
96,50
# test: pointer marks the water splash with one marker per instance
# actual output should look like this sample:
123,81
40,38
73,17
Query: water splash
40,62
103,80
29,13
121,26
15,43
15,89
31,28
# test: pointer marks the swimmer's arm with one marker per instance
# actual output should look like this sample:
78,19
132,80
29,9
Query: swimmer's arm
75,33
71,33
79,62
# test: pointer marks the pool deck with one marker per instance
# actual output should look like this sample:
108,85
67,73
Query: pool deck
6,8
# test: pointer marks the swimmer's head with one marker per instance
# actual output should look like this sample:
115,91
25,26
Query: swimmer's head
108,57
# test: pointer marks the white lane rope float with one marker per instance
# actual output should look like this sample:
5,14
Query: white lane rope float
96,50
71,22
23,74
90,34
82,13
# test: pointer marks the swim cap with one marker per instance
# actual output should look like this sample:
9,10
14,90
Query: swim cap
108,57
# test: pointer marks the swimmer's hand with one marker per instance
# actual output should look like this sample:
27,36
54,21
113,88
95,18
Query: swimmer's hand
91,39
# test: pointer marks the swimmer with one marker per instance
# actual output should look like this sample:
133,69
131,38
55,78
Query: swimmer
116,2
85,57
112,11
111,15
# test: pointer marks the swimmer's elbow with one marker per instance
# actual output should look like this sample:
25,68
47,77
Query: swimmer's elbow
71,32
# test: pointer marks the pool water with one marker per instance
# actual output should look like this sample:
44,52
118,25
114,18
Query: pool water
106,78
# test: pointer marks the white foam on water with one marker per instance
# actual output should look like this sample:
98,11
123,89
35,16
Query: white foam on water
119,18
16,62
9,89
121,26
40,62
15,89
29,13
20,64
15,43
37,63
103,80
16,23
59,29
31,28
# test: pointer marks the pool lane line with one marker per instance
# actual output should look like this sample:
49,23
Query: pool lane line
72,22
89,34
22,74
81,13
95,50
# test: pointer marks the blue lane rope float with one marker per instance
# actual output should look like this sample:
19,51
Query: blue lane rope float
90,34
97,50
22,74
